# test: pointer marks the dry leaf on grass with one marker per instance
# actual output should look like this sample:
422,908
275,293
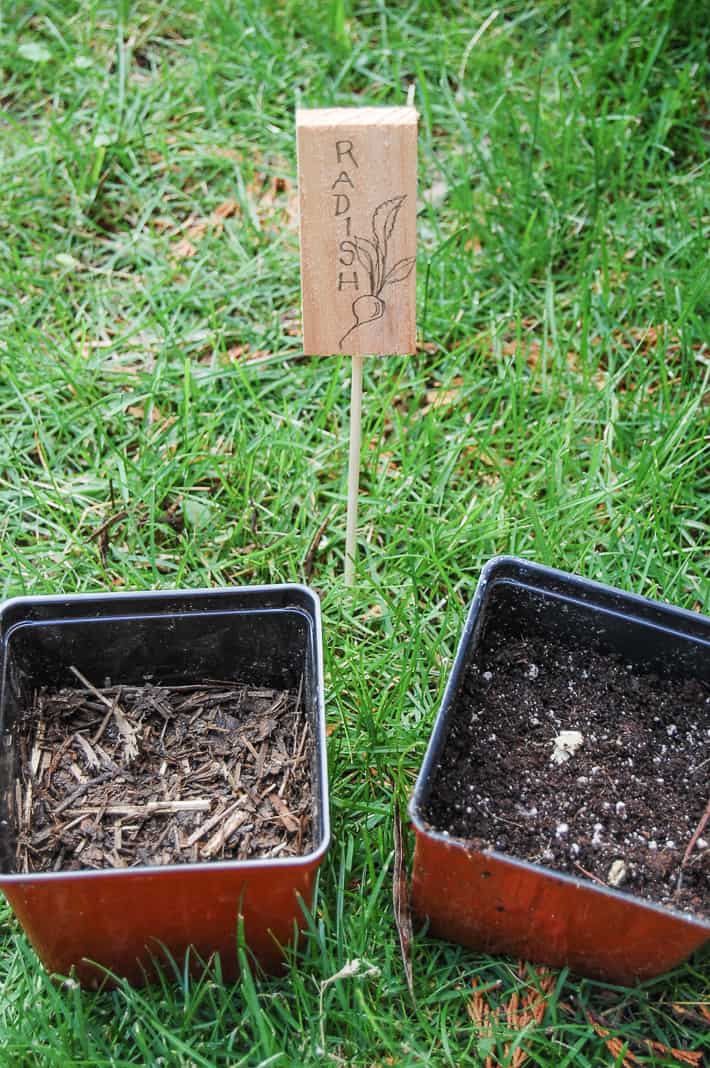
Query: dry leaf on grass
164,225
291,322
225,153
441,398
196,229
243,352
237,351
353,969
531,350
473,245
275,200
184,249
226,209
436,194
437,397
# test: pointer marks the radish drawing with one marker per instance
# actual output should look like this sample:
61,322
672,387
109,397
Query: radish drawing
372,256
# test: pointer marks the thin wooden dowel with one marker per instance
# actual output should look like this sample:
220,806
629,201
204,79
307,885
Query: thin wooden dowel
353,468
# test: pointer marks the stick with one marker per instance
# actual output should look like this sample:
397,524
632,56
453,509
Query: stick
205,828
691,845
353,469
125,729
225,832
400,897
152,808
90,687
313,547
702,823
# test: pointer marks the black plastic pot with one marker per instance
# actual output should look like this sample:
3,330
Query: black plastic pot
266,636
496,903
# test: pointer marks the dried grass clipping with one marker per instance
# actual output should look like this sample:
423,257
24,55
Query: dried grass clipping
521,1012
619,1048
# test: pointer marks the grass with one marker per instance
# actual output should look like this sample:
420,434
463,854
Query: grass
150,365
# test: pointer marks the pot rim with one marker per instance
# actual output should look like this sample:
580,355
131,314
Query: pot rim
321,794
489,573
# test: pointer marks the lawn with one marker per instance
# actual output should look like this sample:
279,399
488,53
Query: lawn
151,373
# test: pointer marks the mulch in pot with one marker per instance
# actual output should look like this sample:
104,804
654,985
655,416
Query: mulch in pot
121,776
621,799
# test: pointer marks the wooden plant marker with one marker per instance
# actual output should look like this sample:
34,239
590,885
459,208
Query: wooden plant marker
357,176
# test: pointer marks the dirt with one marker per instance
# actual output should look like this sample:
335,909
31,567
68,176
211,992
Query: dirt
151,775
620,808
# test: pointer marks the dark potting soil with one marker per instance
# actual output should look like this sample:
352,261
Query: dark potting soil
621,809
152,775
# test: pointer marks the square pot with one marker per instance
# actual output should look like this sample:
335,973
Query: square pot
267,636
492,902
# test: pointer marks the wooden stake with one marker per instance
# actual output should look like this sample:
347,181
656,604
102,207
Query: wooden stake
357,174
353,469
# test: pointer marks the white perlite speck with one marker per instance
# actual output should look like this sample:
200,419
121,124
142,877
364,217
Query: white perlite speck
617,873
566,745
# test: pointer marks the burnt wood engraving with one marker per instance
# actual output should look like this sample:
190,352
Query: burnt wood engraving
357,220
372,257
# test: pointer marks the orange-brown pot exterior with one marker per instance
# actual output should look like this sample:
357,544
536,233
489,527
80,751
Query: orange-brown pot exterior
495,906
121,920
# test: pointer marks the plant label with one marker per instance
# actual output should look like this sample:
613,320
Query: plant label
357,177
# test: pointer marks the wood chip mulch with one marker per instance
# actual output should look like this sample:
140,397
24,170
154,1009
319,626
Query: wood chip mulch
151,775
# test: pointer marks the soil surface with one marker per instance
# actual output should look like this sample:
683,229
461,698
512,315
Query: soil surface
125,776
620,808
